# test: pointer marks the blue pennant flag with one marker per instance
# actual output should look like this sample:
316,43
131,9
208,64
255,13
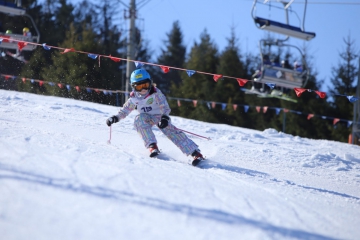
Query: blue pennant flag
349,123
208,105
246,108
105,92
223,106
51,84
297,112
190,72
1,40
88,90
46,47
352,99
93,56
110,93
271,85
323,117
13,77
139,64
68,87
277,110
32,80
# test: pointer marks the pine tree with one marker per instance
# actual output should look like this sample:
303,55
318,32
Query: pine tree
344,81
173,55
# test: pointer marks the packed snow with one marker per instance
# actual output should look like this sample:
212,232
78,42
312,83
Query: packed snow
61,179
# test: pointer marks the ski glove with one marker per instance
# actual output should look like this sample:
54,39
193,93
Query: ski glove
164,122
111,120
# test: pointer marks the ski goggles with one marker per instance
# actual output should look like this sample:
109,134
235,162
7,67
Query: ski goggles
140,86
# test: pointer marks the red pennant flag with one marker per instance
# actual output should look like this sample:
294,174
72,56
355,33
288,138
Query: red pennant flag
23,79
21,45
165,69
213,104
68,50
217,77
235,106
299,91
310,116
265,108
7,77
336,120
321,94
258,109
195,103
179,103
286,110
41,83
97,91
115,59
242,82
77,88
60,85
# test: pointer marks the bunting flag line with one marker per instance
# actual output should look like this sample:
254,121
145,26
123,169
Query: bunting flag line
216,77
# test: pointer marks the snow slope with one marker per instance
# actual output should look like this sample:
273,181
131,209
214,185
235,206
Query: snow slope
59,179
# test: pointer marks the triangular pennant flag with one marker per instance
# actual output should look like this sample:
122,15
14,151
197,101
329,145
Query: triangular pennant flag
88,90
139,64
321,94
349,123
32,81
299,91
68,87
46,47
190,72
297,112
41,83
97,91
195,103
13,77
336,120
285,110
110,93
93,56
105,92
23,79
271,85
265,108
1,39
241,81
68,50
246,108
115,59
208,105
310,116
60,85
77,88
217,77
21,45
7,77
213,104
223,106
235,106
178,103
258,109
50,83
277,110
323,117
352,99
165,69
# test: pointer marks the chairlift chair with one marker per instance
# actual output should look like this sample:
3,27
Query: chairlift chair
7,39
283,28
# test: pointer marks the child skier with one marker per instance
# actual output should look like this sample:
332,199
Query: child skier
153,109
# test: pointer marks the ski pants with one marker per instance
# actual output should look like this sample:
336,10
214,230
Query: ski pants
143,124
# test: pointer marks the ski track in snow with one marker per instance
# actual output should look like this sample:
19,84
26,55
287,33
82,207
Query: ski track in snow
58,171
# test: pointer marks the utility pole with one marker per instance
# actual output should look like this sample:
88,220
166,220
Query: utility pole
130,45
356,120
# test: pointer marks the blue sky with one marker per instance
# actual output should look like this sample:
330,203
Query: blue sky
331,21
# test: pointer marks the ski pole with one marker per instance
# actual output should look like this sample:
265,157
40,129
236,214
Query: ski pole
109,141
194,134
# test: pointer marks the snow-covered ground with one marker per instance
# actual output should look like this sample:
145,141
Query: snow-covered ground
60,179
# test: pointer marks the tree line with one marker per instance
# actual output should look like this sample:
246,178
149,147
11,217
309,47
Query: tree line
92,28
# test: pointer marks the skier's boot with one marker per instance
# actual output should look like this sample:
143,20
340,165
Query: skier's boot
154,150
198,157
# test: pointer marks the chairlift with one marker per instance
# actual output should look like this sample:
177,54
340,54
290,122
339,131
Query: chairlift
283,28
7,38
282,76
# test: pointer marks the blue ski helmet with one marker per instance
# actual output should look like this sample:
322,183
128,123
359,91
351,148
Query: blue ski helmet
139,75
